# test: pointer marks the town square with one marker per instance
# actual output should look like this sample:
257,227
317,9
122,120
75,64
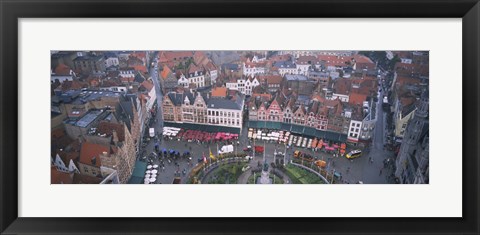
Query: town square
239,117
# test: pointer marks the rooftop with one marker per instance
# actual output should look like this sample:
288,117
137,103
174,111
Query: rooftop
284,64
222,103
88,118
86,96
295,77
90,153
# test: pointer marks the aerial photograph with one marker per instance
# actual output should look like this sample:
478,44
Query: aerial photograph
239,117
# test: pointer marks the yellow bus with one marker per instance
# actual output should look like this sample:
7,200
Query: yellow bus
353,154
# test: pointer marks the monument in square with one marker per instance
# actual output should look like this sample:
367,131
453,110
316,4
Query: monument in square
265,176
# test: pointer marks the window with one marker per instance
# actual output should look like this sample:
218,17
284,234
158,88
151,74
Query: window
351,129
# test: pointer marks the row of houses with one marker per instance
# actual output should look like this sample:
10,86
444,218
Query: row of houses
354,120
204,109
187,69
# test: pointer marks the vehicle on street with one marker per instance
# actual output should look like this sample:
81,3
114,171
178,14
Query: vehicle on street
354,154
245,168
226,149
320,163
152,132
259,149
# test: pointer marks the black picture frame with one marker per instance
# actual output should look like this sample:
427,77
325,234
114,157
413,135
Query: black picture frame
11,11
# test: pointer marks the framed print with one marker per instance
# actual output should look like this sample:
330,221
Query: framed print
239,117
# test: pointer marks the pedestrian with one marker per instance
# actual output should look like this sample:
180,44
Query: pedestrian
380,172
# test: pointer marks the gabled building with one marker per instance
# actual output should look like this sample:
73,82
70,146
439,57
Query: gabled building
147,88
404,110
183,81
299,115
250,84
196,75
274,110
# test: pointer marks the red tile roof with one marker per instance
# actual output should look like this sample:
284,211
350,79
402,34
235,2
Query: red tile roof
91,150
307,60
336,61
280,58
62,69
167,56
58,177
219,92
271,79
107,128
401,81
210,66
139,54
141,68
356,98
147,85
411,69
342,86
362,59
193,68
165,72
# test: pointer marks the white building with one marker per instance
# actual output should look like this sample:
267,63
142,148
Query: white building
354,131
250,83
232,85
61,166
341,97
226,112
111,61
183,81
196,76
127,73
253,69
286,67
152,95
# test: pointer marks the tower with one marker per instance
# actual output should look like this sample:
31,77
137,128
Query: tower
412,159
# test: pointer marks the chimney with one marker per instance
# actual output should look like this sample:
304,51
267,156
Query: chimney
114,136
